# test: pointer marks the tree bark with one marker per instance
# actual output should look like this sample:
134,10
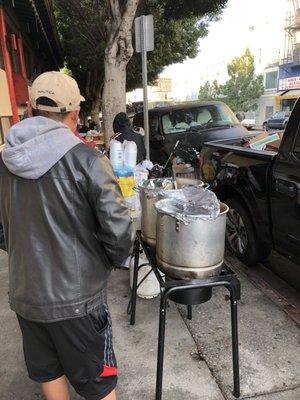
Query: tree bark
95,110
114,95
118,52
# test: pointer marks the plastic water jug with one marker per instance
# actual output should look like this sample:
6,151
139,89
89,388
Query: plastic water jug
116,154
130,154
150,287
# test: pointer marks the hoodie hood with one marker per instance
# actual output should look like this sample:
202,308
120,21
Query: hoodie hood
35,144
121,123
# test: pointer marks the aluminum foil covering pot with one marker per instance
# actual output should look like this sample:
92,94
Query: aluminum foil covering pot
192,247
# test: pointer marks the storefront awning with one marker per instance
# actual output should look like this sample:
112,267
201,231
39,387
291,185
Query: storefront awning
290,93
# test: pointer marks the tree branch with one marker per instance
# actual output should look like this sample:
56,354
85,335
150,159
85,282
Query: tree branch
125,31
114,8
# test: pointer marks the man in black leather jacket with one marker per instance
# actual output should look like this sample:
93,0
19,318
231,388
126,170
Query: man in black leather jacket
65,227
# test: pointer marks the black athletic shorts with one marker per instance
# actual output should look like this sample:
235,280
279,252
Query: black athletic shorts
80,348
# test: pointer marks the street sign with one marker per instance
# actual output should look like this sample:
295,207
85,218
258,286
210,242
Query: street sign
144,33
144,41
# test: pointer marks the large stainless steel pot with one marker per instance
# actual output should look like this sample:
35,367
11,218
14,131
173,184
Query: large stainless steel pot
149,199
195,250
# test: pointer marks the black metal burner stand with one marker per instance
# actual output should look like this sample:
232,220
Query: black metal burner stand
183,291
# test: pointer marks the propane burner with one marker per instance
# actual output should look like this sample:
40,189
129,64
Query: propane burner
188,292
192,296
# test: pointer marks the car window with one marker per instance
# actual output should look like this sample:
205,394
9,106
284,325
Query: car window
188,119
153,125
279,114
138,120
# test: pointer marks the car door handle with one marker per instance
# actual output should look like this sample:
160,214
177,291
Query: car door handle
285,187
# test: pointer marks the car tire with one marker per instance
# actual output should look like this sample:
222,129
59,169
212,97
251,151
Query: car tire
241,239
265,127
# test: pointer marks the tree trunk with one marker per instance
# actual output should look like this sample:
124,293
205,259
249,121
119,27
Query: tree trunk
118,52
114,94
95,112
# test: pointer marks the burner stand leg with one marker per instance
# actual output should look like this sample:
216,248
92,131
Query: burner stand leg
135,281
161,344
189,312
235,347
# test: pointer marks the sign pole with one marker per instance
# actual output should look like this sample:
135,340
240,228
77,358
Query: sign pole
144,41
145,85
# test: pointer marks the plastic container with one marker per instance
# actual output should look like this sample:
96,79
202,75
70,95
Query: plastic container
140,175
150,288
127,184
116,155
130,154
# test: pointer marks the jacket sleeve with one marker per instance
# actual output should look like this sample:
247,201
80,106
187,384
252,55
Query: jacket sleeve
116,231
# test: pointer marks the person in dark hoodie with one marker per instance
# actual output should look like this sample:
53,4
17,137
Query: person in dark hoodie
123,131
65,226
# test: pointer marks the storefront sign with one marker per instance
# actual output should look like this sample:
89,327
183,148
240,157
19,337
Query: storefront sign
289,77
289,83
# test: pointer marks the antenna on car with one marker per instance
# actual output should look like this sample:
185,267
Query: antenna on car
174,148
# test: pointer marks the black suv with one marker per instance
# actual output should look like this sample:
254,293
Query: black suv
278,121
191,123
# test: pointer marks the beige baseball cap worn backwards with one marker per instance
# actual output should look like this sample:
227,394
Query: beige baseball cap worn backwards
60,88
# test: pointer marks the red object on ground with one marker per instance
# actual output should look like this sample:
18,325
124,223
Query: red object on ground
109,371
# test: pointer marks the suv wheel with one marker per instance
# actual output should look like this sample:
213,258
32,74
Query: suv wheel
240,235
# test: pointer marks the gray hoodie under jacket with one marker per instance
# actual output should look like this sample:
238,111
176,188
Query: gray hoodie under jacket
35,144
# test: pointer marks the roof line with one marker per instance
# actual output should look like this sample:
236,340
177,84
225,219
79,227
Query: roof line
44,31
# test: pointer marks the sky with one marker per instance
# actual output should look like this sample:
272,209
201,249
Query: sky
257,24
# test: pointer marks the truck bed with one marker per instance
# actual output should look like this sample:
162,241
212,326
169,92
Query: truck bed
237,146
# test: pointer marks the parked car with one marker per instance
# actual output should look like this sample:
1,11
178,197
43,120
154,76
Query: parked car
262,190
248,123
247,120
190,123
278,121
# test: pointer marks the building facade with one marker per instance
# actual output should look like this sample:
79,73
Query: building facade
282,81
29,45
158,94
276,97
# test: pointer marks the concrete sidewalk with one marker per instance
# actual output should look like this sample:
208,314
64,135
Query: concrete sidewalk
198,353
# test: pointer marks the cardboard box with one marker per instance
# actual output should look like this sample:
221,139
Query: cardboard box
261,136
263,142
